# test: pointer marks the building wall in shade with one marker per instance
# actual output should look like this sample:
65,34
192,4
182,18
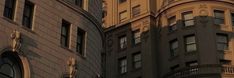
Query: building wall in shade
206,61
43,56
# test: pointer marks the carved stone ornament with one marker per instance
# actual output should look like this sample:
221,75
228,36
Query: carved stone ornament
72,69
203,10
16,41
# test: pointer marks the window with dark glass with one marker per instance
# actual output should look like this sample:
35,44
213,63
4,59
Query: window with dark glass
123,42
188,18
123,65
172,23
136,36
9,9
28,14
122,1
218,17
136,10
137,60
222,42
80,41
79,3
190,43
10,67
232,14
65,30
174,47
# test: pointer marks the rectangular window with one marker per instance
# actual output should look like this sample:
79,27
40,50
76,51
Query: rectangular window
123,65
79,3
222,42
123,42
190,43
218,17
232,14
123,16
122,1
174,47
172,23
136,10
137,60
9,9
65,30
188,18
80,41
28,14
136,36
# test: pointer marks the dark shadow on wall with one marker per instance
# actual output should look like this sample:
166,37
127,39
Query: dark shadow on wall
210,60
155,44
28,44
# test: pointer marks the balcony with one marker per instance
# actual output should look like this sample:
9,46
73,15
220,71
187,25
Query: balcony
228,71
202,71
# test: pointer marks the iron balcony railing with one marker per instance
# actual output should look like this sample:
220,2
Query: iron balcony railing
201,70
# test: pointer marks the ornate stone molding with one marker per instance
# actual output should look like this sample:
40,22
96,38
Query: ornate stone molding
16,41
72,68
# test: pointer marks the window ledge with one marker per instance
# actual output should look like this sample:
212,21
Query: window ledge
136,69
82,56
173,57
135,45
66,48
188,27
172,31
9,20
122,74
28,29
222,25
191,53
224,51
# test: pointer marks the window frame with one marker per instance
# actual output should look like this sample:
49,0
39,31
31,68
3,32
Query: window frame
137,61
188,19
123,65
218,17
172,23
232,19
83,41
123,16
187,44
124,43
136,10
222,42
136,37
67,26
28,6
9,11
174,51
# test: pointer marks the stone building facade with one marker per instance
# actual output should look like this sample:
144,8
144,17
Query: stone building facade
50,38
181,39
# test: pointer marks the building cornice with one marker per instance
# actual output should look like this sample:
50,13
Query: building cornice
181,2
116,26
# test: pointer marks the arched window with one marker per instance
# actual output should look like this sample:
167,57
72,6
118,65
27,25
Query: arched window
10,66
